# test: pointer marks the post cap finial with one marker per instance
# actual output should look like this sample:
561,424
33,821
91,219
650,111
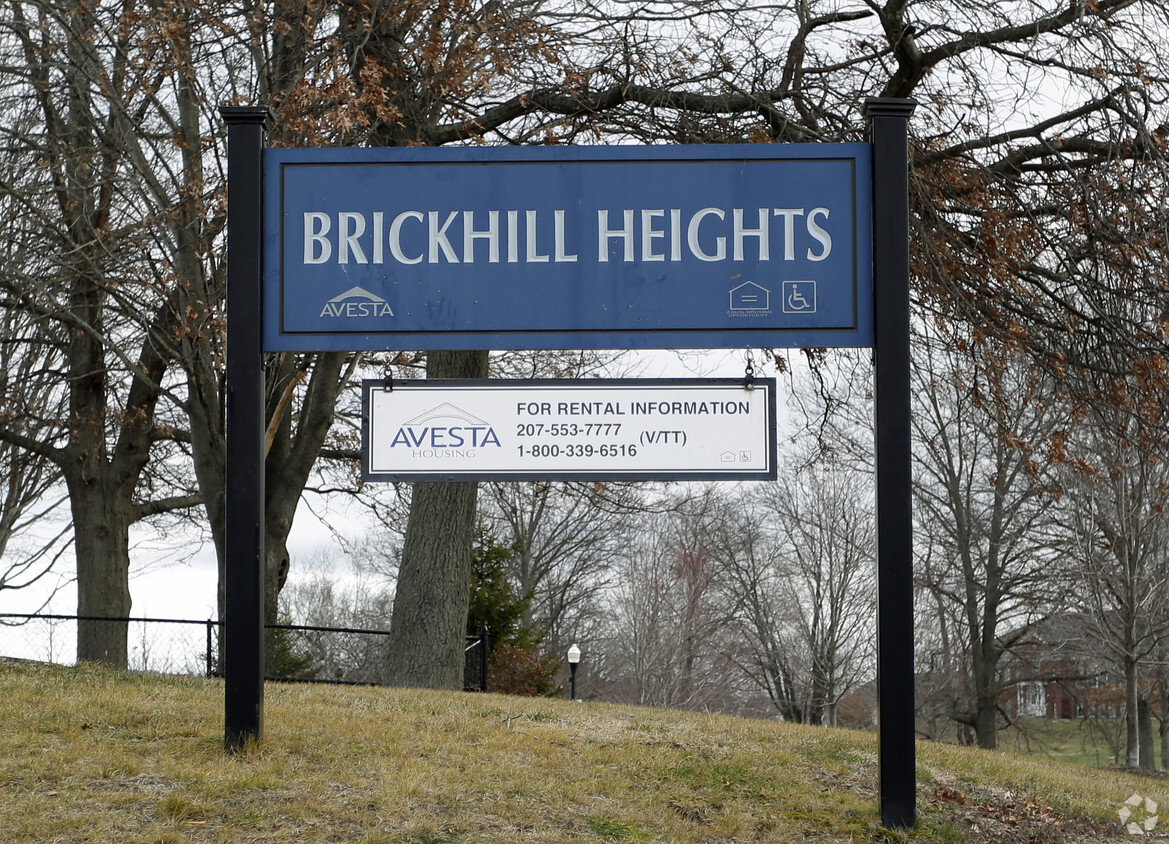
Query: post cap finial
245,114
889,107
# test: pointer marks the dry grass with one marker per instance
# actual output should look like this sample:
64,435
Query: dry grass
90,755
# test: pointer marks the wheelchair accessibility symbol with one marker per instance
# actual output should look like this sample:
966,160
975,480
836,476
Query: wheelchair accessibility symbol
799,297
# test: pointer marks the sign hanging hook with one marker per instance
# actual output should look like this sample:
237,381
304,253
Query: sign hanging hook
749,374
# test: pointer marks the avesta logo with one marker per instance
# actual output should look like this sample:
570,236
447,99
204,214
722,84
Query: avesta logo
445,431
357,303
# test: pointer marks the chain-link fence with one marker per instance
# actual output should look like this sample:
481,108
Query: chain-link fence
185,647
154,645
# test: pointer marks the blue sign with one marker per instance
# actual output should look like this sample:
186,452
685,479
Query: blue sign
568,247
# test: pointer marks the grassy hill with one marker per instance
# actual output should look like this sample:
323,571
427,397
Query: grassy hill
90,755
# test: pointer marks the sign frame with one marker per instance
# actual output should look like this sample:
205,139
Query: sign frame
887,186
548,421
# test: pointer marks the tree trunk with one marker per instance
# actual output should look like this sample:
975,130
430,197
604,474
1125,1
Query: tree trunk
434,580
985,723
1132,755
430,606
1162,678
102,542
985,716
276,567
1145,731
102,480
1163,729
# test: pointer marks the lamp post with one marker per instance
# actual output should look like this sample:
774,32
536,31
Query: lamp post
573,662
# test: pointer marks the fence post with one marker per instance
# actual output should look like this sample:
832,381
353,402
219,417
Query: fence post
483,657
210,661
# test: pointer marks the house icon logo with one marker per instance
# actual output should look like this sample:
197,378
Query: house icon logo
750,296
446,410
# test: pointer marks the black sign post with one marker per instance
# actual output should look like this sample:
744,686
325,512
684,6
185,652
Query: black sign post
243,633
889,135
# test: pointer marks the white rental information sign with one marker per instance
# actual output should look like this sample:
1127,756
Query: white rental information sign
661,429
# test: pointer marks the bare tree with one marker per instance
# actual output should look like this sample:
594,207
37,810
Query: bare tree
765,616
114,190
31,494
823,522
1121,539
987,427
668,630
94,193
566,537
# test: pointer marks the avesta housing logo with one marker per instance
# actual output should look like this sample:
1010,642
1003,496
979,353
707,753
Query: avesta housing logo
357,303
445,431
